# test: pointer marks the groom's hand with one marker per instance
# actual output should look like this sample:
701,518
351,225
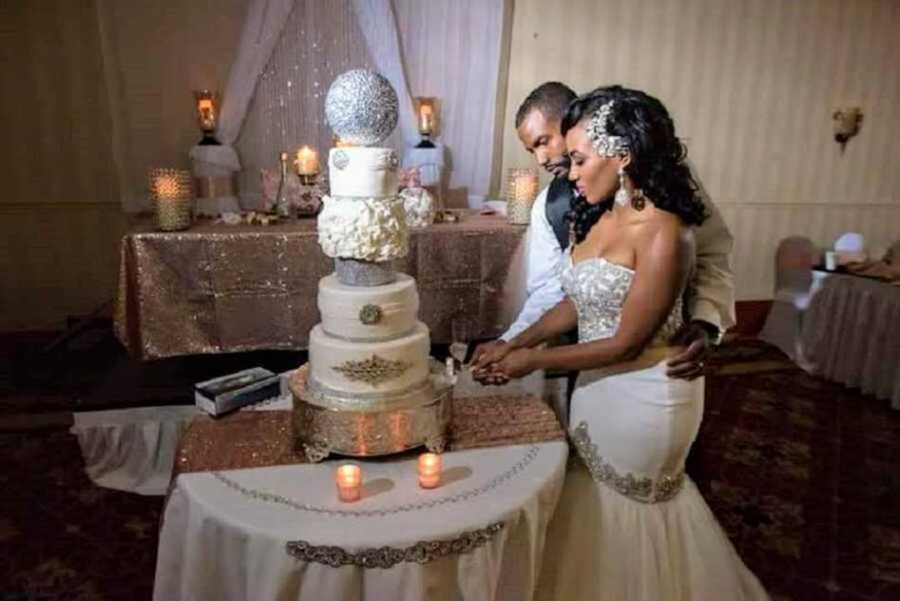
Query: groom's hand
517,364
488,353
696,337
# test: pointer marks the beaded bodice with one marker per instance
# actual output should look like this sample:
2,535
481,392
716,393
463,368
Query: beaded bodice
598,288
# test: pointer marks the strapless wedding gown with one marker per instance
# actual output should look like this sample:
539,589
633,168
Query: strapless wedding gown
631,525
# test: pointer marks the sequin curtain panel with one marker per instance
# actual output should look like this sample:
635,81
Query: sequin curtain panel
218,288
288,109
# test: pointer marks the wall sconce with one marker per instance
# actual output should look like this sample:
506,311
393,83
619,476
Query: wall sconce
207,115
426,119
847,122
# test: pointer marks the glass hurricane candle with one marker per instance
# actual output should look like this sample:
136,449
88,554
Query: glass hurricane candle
348,478
521,190
429,469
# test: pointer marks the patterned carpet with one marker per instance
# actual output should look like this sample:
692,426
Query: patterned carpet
804,475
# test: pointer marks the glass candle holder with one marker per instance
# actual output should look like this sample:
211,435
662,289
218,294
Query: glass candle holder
173,196
307,164
426,119
429,469
521,190
207,103
348,478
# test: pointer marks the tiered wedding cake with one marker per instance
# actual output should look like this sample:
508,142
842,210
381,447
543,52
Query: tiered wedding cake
370,387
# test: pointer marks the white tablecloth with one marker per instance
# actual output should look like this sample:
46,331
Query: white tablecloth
226,536
851,334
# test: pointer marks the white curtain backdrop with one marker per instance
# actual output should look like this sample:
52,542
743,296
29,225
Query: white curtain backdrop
452,50
288,53
379,26
261,32
288,109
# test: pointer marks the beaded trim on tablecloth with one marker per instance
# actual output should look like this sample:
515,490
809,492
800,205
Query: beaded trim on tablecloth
387,557
269,497
639,488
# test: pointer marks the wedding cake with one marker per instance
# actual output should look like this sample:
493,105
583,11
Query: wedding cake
370,387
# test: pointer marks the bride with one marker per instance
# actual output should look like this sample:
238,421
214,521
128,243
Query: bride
631,524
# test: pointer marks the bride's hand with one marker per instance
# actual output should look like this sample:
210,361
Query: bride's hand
517,364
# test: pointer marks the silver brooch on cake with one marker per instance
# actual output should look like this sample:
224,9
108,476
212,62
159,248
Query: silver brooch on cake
370,314
374,370
340,159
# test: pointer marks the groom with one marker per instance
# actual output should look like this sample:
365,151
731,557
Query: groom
711,295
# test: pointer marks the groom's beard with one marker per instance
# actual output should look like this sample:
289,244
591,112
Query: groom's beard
559,169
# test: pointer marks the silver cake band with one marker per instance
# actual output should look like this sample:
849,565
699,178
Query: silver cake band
356,272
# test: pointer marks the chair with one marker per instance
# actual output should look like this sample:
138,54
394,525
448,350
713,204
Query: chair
794,288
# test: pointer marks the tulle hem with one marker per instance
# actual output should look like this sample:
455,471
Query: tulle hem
604,546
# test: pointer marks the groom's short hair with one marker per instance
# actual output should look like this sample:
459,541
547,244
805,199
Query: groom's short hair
551,98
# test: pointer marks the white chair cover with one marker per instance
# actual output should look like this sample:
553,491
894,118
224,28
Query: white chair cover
794,260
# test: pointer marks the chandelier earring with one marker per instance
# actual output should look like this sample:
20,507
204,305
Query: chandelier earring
622,197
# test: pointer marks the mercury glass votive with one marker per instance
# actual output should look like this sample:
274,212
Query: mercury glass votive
429,469
173,196
521,191
348,478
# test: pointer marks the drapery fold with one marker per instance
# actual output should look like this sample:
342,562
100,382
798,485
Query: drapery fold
262,30
379,26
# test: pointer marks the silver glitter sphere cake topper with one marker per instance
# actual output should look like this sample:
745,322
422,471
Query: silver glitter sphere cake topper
361,107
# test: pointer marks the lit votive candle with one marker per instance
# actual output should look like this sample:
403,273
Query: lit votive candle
430,465
307,161
349,482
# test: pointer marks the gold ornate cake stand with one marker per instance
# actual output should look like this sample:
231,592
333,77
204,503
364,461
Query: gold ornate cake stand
326,422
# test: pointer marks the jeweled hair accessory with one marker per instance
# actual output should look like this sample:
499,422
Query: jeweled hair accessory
605,144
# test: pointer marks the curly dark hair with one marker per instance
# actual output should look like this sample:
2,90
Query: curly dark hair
657,164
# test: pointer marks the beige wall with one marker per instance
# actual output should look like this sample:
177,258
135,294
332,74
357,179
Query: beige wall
752,86
74,104
59,212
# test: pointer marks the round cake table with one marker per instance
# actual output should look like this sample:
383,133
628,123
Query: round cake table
281,532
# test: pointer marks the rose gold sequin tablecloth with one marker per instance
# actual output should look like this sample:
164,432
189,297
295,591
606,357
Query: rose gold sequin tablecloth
249,439
217,288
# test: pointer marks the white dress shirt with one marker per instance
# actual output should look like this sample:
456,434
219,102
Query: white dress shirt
544,261
711,290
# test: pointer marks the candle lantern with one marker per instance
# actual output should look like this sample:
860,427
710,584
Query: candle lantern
521,190
426,120
207,115
172,193
348,478
429,469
